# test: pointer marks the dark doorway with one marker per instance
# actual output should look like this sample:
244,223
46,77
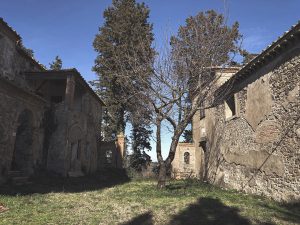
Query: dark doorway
22,155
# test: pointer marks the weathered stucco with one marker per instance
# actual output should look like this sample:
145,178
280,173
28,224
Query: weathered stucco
259,101
180,167
75,122
258,160
258,151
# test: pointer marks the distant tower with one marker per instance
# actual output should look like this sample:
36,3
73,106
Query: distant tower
120,144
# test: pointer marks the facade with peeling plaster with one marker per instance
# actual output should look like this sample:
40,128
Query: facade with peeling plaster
251,140
186,161
49,121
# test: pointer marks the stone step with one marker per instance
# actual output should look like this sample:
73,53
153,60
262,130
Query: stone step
19,180
14,173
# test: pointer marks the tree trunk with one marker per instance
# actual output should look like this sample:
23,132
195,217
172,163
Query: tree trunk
161,183
164,165
162,176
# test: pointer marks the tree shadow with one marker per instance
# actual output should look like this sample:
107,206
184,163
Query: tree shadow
286,211
292,206
48,183
143,219
175,186
209,211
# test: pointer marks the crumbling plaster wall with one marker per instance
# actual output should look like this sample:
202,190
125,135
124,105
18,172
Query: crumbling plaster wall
71,126
258,150
13,61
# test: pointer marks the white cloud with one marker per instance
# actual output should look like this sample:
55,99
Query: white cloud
256,39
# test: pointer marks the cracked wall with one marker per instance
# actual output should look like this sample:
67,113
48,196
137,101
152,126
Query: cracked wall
258,150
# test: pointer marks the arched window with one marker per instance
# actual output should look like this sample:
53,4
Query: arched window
186,158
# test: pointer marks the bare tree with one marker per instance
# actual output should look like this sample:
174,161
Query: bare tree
183,76
186,78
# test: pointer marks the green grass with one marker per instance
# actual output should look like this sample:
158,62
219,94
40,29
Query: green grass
97,200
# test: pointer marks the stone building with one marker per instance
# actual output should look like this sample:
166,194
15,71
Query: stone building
189,157
250,140
73,123
186,161
112,153
49,120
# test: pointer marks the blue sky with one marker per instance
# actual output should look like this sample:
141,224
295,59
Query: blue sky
67,27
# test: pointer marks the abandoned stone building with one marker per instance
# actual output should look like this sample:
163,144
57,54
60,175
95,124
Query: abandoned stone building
188,160
250,140
49,120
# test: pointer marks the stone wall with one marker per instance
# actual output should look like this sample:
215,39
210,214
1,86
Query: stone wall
257,149
13,60
21,129
21,111
37,132
73,146
201,122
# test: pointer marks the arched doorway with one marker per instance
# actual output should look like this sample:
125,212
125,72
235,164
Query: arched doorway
22,155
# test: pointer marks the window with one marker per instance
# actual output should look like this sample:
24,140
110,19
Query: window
202,110
186,158
230,107
108,156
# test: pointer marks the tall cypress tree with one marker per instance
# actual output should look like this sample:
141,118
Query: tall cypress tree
123,44
56,64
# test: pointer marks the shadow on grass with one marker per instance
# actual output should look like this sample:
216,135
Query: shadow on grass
183,187
209,211
286,211
49,183
144,219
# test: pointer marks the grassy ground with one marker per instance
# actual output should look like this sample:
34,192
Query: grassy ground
117,200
